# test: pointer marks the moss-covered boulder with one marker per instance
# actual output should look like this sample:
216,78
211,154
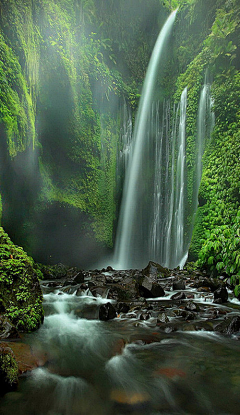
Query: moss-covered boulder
20,292
8,370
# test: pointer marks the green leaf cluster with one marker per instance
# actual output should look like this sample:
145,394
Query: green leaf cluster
20,293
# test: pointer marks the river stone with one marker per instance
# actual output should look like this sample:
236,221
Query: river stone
79,278
123,308
162,318
190,306
179,285
157,290
220,295
178,296
107,312
229,325
156,270
7,329
149,289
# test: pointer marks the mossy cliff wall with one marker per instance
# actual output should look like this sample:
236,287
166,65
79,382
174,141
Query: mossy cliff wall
216,235
66,69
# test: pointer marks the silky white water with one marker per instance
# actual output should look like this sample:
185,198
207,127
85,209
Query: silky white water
124,251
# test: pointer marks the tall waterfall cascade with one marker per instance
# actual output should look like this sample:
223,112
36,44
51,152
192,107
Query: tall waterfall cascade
126,251
154,215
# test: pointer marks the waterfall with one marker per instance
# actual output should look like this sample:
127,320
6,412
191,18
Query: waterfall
179,255
167,244
133,218
205,124
125,145
158,204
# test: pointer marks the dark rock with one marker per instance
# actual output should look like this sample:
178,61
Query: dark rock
91,284
229,325
83,286
212,283
179,285
79,278
99,292
221,294
149,289
155,270
144,316
178,296
123,308
204,289
162,318
107,312
190,306
89,311
157,291
188,315
234,325
146,283
7,329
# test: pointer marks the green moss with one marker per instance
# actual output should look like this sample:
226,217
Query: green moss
8,370
16,112
21,295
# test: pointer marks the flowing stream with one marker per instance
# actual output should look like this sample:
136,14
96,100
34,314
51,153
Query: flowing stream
125,365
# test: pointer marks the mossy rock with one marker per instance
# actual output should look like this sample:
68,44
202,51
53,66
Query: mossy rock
20,292
8,370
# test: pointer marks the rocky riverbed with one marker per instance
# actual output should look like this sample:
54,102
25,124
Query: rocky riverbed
138,340
170,300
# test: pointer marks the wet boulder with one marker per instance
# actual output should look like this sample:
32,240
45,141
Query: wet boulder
178,296
190,306
148,288
162,318
220,295
7,329
107,312
123,308
79,278
229,325
155,270
179,285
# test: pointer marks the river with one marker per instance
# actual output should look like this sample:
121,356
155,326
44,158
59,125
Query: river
129,364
